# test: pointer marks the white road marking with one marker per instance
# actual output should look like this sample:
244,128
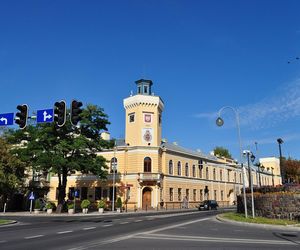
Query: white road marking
89,228
34,236
109,225
130,236
137,220
125,222
3,241
64,232
213,239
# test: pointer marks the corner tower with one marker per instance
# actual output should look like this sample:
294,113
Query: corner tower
143,116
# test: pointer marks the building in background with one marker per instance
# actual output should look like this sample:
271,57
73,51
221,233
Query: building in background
151,173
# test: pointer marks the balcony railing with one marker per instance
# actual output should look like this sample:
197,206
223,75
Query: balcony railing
149,177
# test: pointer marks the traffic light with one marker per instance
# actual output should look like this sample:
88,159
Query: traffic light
21,117
75,112
60,112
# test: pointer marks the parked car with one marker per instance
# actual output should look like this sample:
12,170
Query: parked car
208,205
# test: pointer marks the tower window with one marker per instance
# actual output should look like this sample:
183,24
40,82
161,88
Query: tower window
145,89
147,164
131,117
139,90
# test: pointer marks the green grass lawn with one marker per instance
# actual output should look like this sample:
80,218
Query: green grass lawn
258,220
3,221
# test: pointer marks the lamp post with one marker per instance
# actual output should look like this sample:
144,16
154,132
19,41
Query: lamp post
220,123
262,170
282,172
259,168
114,177
252,157
272,169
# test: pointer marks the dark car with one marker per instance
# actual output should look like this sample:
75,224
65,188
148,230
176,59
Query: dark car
208,205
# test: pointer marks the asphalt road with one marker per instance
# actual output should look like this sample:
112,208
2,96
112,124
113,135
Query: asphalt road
190,230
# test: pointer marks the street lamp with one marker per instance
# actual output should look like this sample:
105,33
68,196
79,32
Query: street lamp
282,172
114,177
220,123
272,169
250,155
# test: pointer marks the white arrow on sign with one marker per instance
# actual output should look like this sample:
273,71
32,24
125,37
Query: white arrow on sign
46,116
3,119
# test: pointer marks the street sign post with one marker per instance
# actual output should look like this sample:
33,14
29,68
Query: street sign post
31,198
6,119
44,115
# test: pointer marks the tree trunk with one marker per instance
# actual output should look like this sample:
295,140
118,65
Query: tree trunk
62,184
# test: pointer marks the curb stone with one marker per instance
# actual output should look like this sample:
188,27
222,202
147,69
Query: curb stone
266,226
8,223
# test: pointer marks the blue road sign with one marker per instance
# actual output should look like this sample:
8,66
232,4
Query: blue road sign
44,115
31,197
6,119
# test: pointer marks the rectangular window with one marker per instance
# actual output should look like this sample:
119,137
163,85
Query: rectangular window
98,193
222,195
131,117
228,175
179,194
187,192
201,194
171,194
128,193
194,171
71,193
194,195
111,193
56,193
105,193
145,89
215,194
201,173
84,191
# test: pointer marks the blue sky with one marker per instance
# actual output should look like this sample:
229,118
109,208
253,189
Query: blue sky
201,56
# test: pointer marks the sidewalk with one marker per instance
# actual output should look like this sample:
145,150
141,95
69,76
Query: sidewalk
266,226
95,213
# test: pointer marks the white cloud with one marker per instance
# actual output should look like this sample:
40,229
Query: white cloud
281,106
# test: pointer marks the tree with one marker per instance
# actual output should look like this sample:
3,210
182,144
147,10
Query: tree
222,152
63,150
292,169
11,172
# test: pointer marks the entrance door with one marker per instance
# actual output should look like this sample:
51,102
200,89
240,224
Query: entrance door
146,198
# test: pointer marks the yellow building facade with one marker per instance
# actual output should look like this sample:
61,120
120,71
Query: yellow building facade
150,173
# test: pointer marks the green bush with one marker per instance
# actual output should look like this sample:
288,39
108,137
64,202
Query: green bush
70,205
101,204
119,202
37,204
85,204
49,205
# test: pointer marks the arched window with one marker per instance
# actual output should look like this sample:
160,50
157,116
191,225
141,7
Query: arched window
147,164
170,167
114,165
179,168
214,174
221,175
194,171
186,169
207,173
